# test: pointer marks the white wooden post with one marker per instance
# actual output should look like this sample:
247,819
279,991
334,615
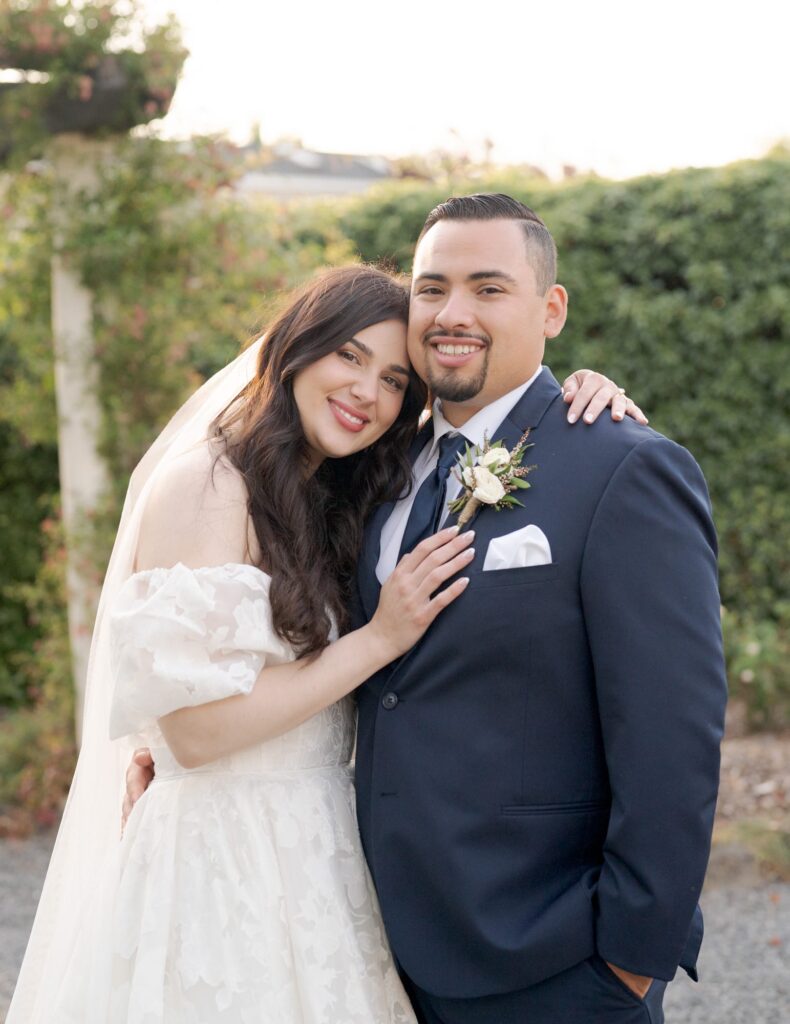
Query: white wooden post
83,475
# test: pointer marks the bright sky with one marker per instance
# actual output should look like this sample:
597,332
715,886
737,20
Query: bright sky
619,86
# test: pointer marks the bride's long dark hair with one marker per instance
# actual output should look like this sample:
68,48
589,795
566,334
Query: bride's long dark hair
310,529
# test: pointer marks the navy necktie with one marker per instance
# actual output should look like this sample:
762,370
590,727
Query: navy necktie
428,509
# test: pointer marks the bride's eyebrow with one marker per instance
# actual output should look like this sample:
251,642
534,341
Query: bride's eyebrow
369,352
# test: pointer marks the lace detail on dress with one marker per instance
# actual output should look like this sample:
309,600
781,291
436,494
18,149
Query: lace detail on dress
240,893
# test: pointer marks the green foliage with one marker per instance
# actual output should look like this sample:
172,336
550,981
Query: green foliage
27,384
37,750
758,653
385,226
103,70
28,473
60,38
680,290
28,465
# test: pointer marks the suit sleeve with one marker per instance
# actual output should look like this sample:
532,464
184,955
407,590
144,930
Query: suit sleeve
651,603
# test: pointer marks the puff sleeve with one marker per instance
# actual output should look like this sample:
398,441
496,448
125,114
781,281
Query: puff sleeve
181,637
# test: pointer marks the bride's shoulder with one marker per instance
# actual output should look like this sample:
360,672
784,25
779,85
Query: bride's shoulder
196,513
206,475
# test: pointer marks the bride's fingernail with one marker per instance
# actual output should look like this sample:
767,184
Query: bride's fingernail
571,417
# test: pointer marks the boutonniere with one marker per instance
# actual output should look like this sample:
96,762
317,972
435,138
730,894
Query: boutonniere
488,476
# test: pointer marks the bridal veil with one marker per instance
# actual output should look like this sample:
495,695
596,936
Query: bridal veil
90,826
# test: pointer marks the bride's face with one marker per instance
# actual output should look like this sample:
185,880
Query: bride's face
349,398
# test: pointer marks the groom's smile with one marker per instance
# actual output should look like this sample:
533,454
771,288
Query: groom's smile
457,349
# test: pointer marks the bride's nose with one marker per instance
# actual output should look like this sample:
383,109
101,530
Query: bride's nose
365,388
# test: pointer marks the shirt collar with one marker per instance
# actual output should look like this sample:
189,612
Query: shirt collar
483,423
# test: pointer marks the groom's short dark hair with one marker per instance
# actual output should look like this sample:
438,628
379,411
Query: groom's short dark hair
541,250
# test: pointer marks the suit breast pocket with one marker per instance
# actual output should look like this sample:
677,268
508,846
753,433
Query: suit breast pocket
515,577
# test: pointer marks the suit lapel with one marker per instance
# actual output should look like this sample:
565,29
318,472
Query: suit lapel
525,415
369,586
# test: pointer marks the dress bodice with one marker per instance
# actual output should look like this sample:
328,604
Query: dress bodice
324,741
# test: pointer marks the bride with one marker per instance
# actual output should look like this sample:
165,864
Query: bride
239,891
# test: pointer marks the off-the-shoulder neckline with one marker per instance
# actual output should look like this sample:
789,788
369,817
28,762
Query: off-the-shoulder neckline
143,573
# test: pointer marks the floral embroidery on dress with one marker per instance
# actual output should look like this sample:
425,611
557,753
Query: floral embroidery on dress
240,894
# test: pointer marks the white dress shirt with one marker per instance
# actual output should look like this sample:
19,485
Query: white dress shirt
482,424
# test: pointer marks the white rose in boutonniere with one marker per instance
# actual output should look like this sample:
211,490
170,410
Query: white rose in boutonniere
495,457
488,488
488,476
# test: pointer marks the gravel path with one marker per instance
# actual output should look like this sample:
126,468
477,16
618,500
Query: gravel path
744,966
23,864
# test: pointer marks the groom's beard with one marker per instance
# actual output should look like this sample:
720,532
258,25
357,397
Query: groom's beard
449,385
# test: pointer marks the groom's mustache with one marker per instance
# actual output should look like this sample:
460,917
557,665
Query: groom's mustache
426,338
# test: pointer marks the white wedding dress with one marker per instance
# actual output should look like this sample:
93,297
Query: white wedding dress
239,892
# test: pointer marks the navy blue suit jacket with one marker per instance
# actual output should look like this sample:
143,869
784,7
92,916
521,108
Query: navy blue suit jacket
537,777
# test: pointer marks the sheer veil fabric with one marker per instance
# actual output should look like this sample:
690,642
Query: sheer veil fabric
90,828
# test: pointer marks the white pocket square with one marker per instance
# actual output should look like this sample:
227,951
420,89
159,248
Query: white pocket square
528,546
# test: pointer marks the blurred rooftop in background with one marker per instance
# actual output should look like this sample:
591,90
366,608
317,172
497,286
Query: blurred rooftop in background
289,171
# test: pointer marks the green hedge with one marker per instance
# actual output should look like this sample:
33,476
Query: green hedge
28,475
680,290
29,461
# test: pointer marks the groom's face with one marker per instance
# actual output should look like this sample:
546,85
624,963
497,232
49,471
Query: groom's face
477,322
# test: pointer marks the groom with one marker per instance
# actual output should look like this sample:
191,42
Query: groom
537,776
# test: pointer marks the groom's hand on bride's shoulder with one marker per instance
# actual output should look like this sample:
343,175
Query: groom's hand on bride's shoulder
139,775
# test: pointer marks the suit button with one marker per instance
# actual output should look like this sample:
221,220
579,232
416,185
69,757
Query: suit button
389,700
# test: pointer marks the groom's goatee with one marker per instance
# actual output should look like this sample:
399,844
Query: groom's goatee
457,390
450,386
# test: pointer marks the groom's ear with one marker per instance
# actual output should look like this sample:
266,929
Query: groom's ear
556,311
